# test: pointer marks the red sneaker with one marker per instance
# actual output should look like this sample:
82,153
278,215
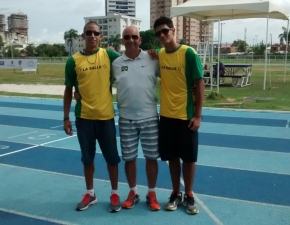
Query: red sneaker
152,201
86,202
131,200
115,205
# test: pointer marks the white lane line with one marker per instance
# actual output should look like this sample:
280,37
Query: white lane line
56,126
203,206
244,169
62,126
247,201
36,217
75,176
23,134
34,146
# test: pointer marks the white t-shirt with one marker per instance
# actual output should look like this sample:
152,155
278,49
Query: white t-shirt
136,80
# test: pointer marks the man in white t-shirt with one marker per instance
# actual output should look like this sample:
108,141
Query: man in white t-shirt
135,75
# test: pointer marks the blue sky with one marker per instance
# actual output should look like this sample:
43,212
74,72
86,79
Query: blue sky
48,20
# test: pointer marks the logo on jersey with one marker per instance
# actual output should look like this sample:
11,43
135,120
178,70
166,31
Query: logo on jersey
124,68
90,68
170,68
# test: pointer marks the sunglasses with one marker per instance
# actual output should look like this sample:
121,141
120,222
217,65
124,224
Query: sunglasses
164,31
128,37
90,32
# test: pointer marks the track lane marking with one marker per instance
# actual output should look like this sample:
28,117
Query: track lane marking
34,146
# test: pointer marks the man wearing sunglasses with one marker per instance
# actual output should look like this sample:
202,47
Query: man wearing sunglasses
136,75
180,111
89,72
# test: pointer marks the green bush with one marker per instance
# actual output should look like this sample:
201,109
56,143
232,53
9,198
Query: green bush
215,96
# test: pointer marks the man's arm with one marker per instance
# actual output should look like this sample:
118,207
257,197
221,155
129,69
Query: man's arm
199,95
70,79
67,98
195,69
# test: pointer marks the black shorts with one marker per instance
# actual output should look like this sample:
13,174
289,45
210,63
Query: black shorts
104,131
176,140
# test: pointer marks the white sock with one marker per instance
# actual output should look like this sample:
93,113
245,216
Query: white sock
91,192
151,189
114,192
134,189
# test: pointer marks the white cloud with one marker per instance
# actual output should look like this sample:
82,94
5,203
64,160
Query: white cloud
46,36
48,20
255,28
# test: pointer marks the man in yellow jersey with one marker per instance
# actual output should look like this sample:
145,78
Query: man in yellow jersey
89,72
180,114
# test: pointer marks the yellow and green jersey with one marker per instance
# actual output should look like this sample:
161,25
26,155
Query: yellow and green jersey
91,76
178,71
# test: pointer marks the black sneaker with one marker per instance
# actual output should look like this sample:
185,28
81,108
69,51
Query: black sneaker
174,200
190,205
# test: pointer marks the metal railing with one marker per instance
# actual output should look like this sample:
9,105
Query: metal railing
244,59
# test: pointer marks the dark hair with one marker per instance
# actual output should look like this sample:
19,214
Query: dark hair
163,21
91,22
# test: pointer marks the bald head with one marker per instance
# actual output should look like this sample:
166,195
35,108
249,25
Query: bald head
131,30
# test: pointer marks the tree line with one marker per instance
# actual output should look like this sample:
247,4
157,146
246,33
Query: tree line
149,41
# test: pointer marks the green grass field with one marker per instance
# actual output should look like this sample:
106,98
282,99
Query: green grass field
230,96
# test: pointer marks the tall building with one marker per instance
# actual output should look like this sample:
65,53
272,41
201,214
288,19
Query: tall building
17,33
18,23
112,24
2,23
187,29
125,7
76,45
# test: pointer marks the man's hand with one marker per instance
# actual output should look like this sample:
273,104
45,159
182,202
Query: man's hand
153,53
67,127
194,123
77,96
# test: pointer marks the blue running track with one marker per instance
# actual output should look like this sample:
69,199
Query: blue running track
242,176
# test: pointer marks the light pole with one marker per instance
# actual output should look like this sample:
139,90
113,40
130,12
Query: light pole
11,43
271,44
221,34
11,50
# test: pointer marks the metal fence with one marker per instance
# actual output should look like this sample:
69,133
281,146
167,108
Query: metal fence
254,59
245,59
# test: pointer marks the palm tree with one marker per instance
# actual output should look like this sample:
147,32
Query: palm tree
283,36
182,42
115,41
104,43
70,36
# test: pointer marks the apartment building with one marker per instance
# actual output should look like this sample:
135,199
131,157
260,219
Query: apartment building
112,24
76,45
17,33
188,29
125,7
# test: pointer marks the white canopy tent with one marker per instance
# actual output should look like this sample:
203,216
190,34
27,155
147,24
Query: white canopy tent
234,9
